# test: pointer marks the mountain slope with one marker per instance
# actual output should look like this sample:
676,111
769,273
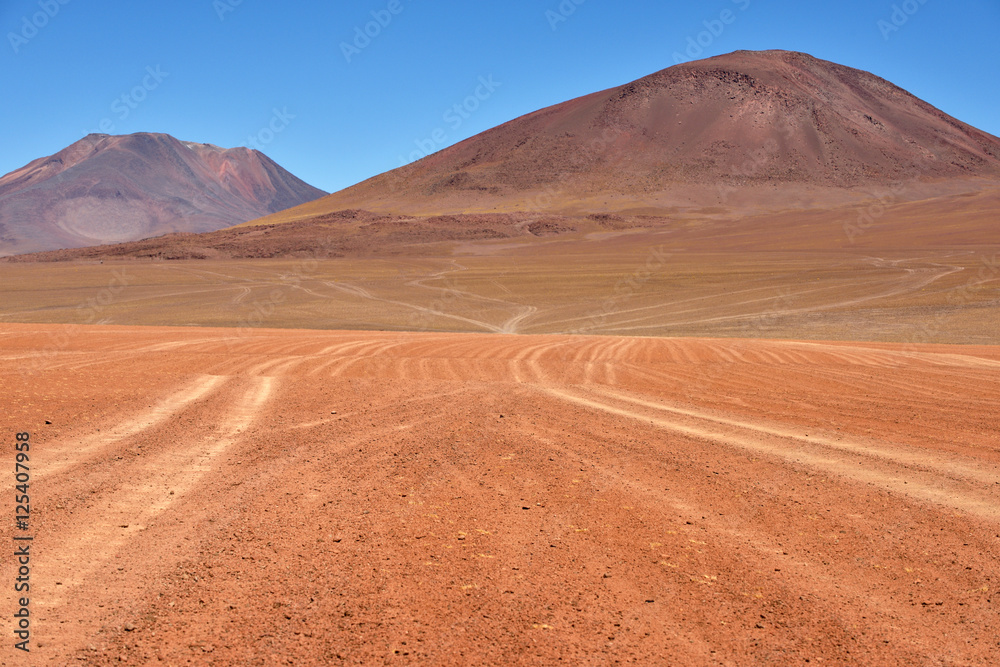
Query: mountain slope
105,189
750,129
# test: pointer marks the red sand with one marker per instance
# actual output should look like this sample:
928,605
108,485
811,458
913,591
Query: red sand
345,497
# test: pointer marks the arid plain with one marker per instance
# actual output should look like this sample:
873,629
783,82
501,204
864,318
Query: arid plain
918,272
202,496
761,489
711,404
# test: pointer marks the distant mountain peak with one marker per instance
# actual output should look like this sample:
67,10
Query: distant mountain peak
754,128
110,188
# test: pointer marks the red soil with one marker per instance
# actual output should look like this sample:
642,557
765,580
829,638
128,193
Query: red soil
345,497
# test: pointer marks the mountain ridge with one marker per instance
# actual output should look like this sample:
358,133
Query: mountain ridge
113,188
748,128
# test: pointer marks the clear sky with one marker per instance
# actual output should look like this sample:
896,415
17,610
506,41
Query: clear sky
277,75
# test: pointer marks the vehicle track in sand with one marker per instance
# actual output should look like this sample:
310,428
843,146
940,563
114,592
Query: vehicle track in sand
336,497
935,480
76,451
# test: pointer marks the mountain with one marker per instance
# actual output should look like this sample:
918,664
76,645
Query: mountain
106,189
750,129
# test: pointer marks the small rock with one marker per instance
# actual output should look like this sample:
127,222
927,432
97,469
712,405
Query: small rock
129,627
47,421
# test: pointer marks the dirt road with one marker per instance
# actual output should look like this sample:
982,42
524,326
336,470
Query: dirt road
390,498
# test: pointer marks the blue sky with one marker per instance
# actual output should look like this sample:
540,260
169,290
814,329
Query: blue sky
278,76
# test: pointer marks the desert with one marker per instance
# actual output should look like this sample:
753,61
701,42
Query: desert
697,369
364,497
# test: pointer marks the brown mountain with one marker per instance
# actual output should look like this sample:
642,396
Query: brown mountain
750,130
106,189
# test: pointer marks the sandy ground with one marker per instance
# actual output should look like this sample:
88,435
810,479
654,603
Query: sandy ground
620,285
303,497
924,271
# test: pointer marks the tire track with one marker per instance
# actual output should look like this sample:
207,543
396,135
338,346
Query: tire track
931,483
123,514
72,454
